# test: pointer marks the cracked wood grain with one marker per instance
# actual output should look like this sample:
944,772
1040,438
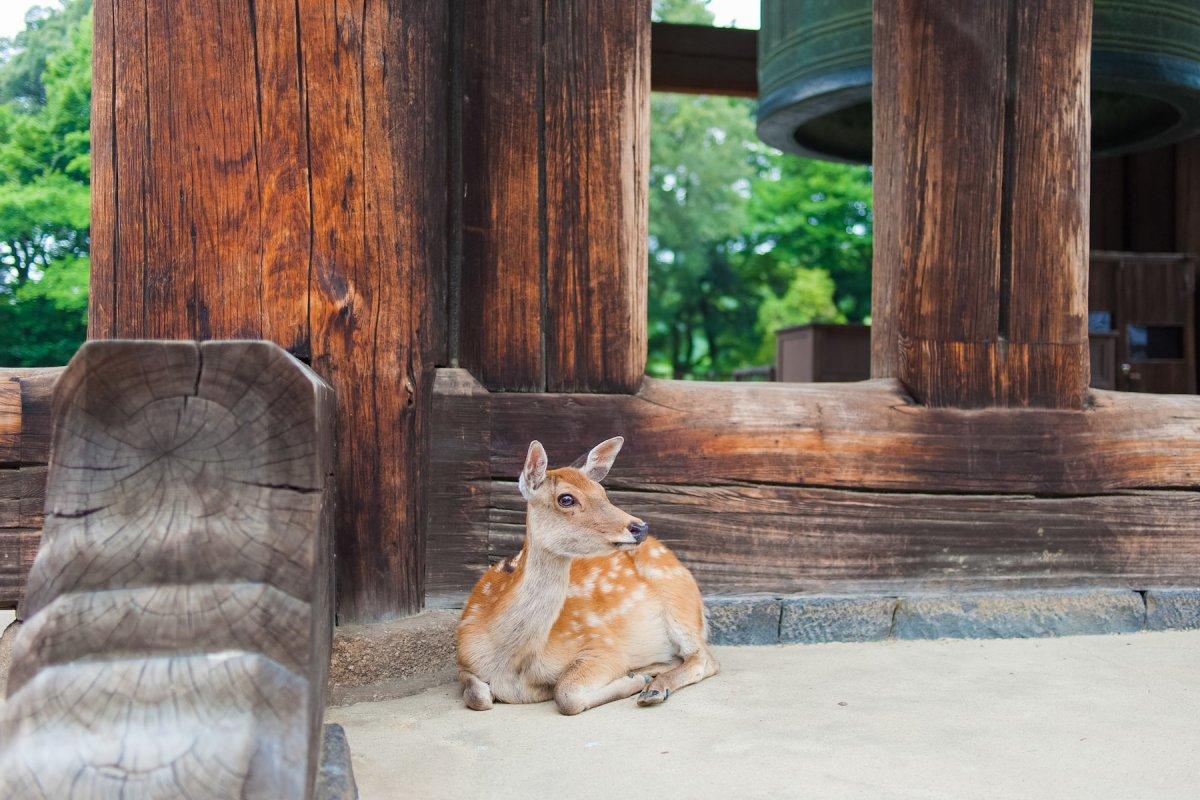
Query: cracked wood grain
179,608
981,154
277,169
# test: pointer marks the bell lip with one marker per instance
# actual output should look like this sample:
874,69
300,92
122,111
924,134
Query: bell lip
783,110
1171,80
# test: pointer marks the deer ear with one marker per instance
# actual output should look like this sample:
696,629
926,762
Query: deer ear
534,473
601,459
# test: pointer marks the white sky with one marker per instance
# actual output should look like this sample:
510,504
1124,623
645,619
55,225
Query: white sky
12,15
743,13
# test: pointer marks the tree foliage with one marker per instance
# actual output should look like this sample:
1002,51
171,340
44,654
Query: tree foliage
45,172
743,239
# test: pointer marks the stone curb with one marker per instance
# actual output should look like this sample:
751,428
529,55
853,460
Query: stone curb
383,660
395,659
813,619
1019,615
1172,609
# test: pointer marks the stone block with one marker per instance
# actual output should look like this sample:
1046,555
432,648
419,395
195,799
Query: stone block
1019,614
1172,609
831,618
743,620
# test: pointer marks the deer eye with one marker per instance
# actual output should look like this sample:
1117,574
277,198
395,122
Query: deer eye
566,500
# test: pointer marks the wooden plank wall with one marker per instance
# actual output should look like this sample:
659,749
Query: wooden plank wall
839,487
278,170
555,138
1148,202
25,402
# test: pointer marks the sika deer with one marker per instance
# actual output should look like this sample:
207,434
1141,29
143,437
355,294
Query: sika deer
590,611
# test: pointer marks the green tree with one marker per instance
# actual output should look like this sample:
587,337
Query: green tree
743,239
703,303
811,214
45,172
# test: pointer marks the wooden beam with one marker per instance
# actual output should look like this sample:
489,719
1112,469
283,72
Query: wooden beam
502,326
597,145
25,409
838,487
869,435
180,602
292,188
555,150
785,539
701,59
981,200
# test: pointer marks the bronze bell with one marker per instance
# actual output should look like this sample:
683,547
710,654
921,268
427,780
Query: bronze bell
814,68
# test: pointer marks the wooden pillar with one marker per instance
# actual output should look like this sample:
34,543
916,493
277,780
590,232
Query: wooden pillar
555,149
982,159
277,169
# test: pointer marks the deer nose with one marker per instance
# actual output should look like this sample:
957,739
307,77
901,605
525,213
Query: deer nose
639,530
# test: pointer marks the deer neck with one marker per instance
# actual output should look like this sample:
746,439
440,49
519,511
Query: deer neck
541,589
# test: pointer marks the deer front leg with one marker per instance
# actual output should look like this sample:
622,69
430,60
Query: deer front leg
591,682
695,668
477,695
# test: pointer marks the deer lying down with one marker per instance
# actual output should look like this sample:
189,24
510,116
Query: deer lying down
591,610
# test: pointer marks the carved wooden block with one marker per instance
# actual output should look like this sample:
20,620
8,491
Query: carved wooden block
179,608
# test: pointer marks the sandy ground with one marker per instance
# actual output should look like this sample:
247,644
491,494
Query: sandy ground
1079,717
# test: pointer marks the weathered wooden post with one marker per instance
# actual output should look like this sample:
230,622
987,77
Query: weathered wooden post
178,612
555,165
277,170
981,191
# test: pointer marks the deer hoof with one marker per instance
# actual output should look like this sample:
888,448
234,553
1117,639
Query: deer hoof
653,697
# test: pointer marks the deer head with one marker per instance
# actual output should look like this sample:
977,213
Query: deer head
569,511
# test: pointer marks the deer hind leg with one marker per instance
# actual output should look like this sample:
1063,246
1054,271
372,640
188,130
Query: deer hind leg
695,668
591,682
477,695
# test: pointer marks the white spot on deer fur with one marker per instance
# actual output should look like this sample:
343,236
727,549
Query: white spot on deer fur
593,619
657,551
653,572
486,588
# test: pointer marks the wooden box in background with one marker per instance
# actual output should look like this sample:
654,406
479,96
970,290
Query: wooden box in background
820,353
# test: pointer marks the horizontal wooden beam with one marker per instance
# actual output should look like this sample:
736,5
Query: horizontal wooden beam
26,396
700,59
867,435
786,539
838,487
